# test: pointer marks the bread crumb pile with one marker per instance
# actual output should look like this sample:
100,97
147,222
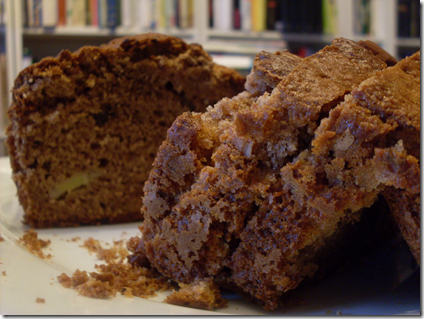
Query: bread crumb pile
34,245
118,250
119,276
116,276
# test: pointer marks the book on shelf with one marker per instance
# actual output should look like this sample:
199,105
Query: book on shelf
223,11
3,16
271,14
415,19
409,18
362,16
258,14
171,7
329,17
76,13
301,16
185,11
236,15
245,16
61,13
127,14
113,14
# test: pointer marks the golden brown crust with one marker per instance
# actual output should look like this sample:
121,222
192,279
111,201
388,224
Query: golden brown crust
269,69
86,126
412,66
310,90
379,52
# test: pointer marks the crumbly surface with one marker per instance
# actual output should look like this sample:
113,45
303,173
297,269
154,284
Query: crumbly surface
115,276
34,245
86,126
250,192
118,250
201,294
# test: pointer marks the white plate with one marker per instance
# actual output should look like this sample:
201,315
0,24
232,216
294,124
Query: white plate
24,277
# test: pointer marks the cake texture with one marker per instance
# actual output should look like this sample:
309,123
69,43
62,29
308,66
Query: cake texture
252,192
86,126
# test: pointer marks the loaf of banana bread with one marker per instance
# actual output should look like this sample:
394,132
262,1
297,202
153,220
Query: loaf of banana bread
86,126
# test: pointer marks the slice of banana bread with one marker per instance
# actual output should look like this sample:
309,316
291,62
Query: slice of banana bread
251,192
86,126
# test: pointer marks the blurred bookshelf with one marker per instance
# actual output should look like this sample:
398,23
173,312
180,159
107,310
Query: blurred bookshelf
232,31
219,25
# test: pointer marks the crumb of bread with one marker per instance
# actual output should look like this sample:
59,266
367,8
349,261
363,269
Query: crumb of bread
96,289
33,244
117,251
201,294
64,280
40,300
115,276
4,273
78,278
1,238
74,239
92,245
